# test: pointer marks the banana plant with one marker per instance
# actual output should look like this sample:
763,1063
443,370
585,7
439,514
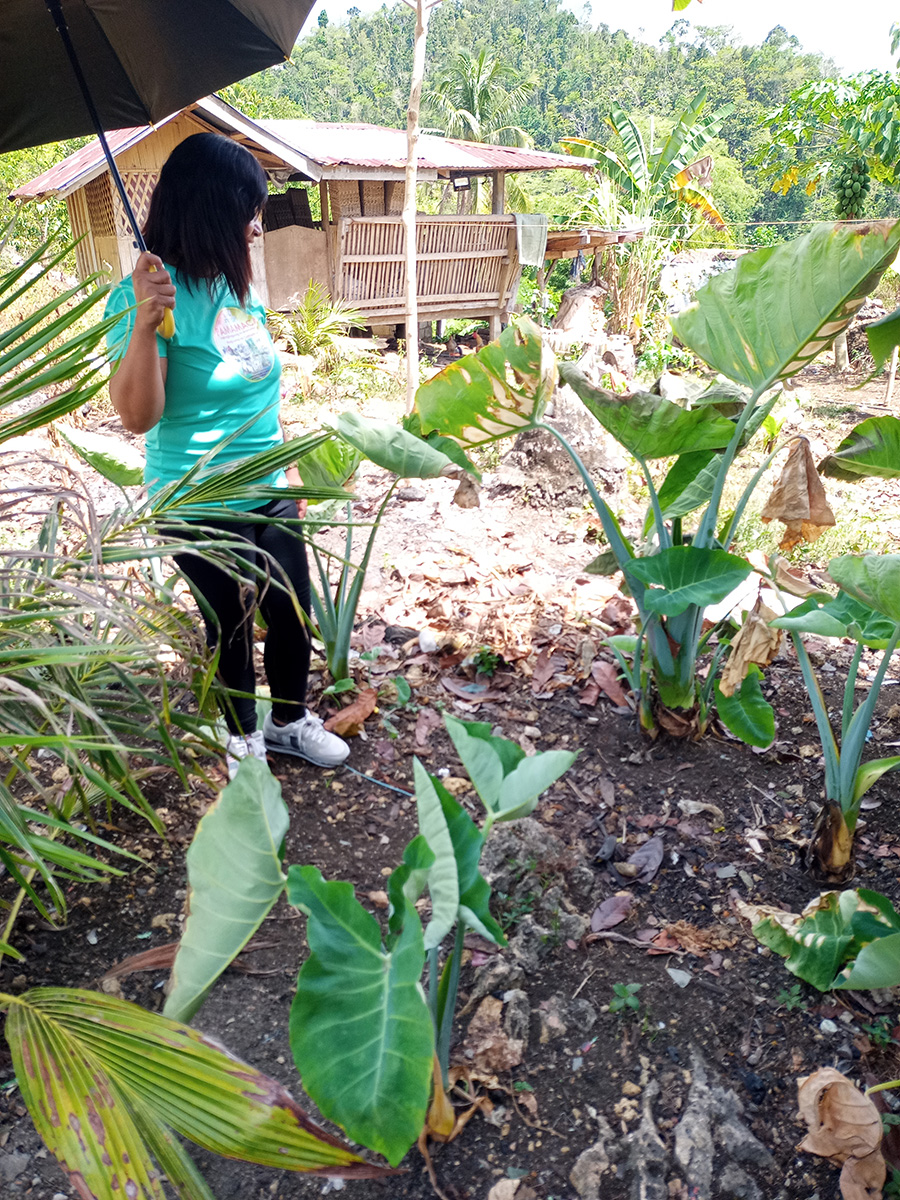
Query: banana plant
659,185
867,610
369,1044
109,1085
756,325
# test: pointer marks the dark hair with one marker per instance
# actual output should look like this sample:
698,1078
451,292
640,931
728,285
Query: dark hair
209,190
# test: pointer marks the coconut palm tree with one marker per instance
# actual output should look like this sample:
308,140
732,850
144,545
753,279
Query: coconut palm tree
475,100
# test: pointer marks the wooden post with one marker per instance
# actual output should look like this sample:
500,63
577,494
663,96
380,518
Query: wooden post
324,201
498,192
423,9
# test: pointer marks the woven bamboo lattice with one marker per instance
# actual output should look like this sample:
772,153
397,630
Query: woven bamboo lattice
139,187
467,264
372,197
100,207
344,196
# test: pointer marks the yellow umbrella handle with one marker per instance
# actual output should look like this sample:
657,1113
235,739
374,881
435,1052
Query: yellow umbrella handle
166,327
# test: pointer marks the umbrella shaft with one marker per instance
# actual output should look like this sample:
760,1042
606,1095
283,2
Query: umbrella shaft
63,29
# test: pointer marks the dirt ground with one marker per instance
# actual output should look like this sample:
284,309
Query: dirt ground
690,1097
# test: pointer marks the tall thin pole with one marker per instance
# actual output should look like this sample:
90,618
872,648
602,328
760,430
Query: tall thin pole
423,9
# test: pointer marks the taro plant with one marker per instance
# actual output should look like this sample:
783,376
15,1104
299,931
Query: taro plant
847,939
756,325
398,451
370,1044
867,610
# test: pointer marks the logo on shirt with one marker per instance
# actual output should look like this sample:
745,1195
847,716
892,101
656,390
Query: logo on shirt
243,343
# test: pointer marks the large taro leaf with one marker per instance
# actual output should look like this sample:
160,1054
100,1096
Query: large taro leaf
883,336
112,458
360,1030
443,877
833,935
682,576
870,772
486,758
747,713
234,878
783,305
509,783
873,579
840,617
495,393
816,943
871,448
466,844
106,1082
650,426
408,881
394,448
331,462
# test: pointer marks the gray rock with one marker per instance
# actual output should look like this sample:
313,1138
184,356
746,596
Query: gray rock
530,944
736,1184
499,975
693,1134
647,1156
586,1177
516,850
411,493
517,1016
12,1166
559,1015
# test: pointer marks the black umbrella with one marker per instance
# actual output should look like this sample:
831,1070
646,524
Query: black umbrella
70,67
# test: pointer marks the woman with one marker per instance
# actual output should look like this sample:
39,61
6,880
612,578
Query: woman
218,372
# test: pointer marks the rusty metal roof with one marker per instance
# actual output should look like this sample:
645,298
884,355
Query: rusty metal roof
337,144
313,150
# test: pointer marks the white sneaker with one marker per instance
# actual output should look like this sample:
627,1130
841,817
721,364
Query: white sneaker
238,746
306,738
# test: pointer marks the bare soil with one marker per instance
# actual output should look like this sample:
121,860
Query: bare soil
693,1096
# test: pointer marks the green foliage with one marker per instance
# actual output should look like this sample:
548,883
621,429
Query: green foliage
406,456
234,878
847,939
625,998
871,448
314,323
659,354
791,998
816,283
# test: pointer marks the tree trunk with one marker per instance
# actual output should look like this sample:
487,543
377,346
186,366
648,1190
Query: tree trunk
423,8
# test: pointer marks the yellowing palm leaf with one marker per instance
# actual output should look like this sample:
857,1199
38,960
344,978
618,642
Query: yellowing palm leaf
106,1083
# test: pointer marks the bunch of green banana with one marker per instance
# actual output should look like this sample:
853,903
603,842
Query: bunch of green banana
852,188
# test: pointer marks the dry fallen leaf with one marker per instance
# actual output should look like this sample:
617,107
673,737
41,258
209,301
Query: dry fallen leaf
467,493
612,911
755,642
511,1189
798,499
350,720
607,677
845,1127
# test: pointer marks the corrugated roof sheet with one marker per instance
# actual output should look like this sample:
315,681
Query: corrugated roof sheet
328,144
79,167
358,145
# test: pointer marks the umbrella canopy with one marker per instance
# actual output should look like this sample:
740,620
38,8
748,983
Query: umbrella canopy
142,59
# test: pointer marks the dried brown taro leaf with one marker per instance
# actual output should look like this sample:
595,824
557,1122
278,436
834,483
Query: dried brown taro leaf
350,720
606,676
755,642
612,911
798,499
487,1047
863,1178
843,1122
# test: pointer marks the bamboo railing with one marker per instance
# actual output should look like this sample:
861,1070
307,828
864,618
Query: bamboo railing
464,266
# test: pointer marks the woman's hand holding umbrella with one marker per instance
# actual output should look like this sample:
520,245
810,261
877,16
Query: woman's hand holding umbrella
155,294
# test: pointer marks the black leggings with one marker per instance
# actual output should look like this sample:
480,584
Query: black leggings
287,648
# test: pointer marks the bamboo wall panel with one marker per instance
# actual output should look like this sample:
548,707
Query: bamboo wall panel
464,264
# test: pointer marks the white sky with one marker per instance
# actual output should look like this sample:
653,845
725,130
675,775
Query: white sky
855,35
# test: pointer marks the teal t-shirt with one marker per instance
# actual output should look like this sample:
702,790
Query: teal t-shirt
222,370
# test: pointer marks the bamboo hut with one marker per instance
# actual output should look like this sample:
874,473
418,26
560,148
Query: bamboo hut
350,238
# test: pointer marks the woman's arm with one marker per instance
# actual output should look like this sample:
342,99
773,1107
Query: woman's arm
137,389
